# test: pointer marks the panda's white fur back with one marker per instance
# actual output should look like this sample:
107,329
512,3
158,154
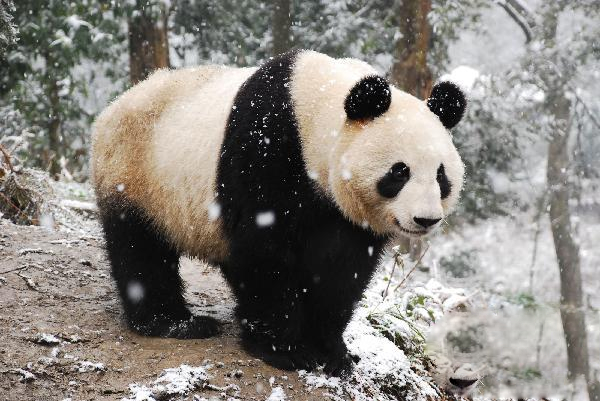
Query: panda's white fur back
159,145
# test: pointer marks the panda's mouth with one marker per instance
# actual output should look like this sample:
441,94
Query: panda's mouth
411,232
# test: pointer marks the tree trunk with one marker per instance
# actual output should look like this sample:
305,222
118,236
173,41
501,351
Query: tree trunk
567,251
55,152
410,71
148,42
281,26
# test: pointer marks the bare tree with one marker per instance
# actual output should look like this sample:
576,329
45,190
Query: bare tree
281,26
557,173
148,43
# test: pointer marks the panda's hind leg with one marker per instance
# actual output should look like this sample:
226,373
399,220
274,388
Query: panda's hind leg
146,270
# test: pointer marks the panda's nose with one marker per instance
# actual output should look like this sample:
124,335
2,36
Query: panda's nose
462,383
425,222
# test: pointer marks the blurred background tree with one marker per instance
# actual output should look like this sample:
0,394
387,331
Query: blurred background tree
148,38
8,31
44,80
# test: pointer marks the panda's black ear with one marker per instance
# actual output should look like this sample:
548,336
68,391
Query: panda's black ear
448,102
369,98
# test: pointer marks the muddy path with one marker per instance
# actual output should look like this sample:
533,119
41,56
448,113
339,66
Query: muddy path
63,336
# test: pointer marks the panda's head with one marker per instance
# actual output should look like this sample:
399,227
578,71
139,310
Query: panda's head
396,169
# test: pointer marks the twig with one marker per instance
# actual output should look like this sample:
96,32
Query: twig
16,269
519,19
397,261
7,159
413,269
585,106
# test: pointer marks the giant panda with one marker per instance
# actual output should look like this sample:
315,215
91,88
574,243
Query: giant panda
291,177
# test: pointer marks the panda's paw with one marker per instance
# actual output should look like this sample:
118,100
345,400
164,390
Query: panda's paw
340,365
304,358
285,357
192,327
300,359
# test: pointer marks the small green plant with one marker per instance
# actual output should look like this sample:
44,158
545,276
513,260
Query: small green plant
528,374
525,300
400,330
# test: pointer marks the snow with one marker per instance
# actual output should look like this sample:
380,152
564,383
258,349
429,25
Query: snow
464,76
265,219
87,366
214,211
135,291
62,39
26,376
277,394
47,339
173,381
76,22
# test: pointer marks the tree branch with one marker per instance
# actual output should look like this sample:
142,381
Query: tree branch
520,15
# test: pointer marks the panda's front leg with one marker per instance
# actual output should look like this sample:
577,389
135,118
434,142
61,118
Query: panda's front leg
339,259
270,307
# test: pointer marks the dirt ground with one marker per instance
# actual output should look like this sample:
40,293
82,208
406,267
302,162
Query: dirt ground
57,284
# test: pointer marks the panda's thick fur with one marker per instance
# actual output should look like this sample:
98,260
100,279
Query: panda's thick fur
291,177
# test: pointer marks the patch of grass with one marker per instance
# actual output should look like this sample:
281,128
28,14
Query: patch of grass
524,299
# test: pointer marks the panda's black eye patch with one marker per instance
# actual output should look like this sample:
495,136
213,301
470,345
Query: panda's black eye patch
443,182
392,182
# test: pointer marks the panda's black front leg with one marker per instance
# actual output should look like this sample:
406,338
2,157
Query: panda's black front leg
270,307
275,333
340,259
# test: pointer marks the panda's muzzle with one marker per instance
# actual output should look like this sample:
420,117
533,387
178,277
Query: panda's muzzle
419,233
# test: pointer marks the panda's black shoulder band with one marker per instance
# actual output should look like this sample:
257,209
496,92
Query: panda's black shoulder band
369,98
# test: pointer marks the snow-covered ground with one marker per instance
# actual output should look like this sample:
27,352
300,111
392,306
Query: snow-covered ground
481,304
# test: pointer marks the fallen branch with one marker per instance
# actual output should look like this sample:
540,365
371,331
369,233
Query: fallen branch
79,205
16,269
